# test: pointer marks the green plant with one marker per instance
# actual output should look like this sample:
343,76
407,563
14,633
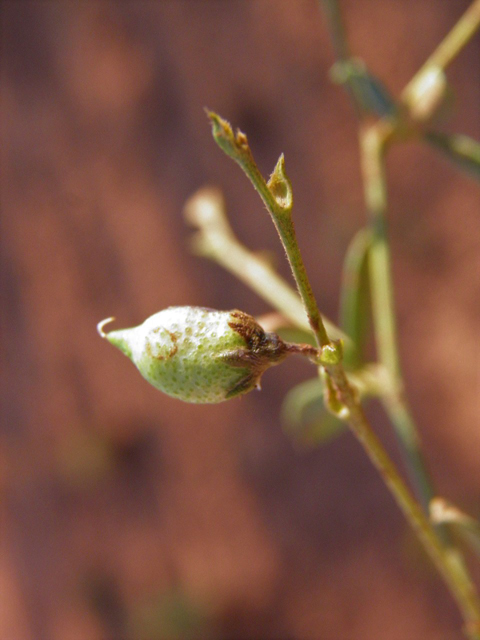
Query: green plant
202,355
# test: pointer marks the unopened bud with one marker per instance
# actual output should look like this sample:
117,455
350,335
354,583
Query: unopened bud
199,355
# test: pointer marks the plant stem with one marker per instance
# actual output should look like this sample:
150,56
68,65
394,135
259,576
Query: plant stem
344,399
426,91
373,170
446,562
452,44
372,139
277,197
216,240
459,149
336,28
286,230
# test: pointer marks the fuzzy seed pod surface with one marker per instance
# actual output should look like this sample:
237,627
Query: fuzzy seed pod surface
199,355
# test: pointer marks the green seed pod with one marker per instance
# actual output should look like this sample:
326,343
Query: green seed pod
199,355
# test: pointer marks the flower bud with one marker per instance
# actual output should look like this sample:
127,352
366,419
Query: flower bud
199,355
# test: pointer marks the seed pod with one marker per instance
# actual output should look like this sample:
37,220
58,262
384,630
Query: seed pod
199,355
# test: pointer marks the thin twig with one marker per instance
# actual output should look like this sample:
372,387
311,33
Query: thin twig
446,561
338,37
383,310
216,240
453,43
426,91
341,397
336,28
461,150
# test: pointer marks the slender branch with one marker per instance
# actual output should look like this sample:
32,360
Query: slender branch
445,560
216,240
426,91
453,43
372,141
341,397
383,310
286,230
461,150
277,197
336,28
374,180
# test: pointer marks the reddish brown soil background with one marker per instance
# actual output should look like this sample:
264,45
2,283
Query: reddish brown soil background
125,514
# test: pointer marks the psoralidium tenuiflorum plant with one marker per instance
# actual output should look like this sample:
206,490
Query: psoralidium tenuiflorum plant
206,356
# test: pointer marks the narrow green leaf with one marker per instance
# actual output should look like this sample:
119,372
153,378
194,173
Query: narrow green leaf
355,296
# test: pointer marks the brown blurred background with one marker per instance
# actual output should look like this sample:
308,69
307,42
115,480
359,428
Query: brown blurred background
126,514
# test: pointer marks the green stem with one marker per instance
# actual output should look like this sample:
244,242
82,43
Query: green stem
459,149
286,230
450,567
383,311
277,197
374,180
426,91
400,416
446,562
336,28
217,241
347,399
452,44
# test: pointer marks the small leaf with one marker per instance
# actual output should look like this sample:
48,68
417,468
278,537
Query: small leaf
280,186
216,240
305,417
355,296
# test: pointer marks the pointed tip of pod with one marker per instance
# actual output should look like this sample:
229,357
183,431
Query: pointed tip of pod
119,339
100,326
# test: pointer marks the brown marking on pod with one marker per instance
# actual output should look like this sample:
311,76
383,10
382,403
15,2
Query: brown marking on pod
173,349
